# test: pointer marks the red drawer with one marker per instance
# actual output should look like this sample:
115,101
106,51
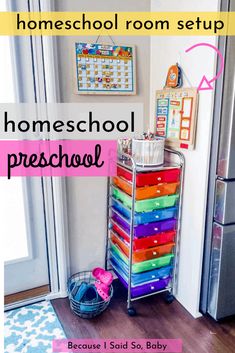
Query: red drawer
151,241
151,178
146,192
143,254
146,242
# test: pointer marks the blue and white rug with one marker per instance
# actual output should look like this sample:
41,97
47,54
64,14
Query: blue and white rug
31,329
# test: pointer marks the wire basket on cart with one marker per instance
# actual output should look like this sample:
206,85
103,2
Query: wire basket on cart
86,310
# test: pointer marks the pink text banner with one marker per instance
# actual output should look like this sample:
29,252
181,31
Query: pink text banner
117,345
58,158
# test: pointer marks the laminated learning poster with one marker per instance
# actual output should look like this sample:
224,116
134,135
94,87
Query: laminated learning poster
176,115
105,69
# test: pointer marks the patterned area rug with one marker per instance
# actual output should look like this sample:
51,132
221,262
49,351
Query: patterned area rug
31,329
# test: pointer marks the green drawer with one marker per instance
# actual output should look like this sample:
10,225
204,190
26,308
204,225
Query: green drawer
146,205
145,265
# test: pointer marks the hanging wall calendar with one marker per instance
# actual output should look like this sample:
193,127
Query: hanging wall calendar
176,116
105,69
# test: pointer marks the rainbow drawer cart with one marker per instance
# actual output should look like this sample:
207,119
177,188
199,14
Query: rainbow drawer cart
143,232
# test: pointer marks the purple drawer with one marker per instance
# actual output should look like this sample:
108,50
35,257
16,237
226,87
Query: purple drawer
143,230
146,288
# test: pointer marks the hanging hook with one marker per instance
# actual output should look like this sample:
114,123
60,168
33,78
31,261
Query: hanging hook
179,58
111,38
183,71
97,39
102,35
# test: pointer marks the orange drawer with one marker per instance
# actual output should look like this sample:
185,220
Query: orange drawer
122,245
143,255
146,192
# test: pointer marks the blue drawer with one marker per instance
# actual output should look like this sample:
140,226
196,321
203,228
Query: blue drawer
145,217
139,278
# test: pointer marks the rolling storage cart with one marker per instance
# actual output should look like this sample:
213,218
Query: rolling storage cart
143,232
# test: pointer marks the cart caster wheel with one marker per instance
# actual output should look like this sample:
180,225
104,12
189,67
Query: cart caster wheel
169,298
131,312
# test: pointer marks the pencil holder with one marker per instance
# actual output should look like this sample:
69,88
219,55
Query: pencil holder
148,152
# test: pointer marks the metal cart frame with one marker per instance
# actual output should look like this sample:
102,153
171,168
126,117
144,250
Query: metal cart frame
171,290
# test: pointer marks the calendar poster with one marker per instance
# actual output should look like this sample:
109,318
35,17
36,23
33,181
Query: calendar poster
105,69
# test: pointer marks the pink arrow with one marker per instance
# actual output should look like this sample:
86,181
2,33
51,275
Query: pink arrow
205,84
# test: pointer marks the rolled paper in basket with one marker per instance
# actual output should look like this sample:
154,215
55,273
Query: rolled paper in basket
148,152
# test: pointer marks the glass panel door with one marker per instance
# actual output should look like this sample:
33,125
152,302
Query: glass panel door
23,224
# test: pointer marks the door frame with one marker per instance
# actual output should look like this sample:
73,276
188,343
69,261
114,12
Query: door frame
204,290
46,83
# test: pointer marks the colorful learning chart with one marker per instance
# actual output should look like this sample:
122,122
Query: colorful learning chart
105,69
176,116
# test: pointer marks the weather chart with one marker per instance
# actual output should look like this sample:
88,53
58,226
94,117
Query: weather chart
176,113
105,69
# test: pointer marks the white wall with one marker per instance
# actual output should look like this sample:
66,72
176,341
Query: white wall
142,47
166,51
87,196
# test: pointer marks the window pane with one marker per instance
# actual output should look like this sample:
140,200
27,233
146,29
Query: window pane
13,225
6,73
7,94
3,5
